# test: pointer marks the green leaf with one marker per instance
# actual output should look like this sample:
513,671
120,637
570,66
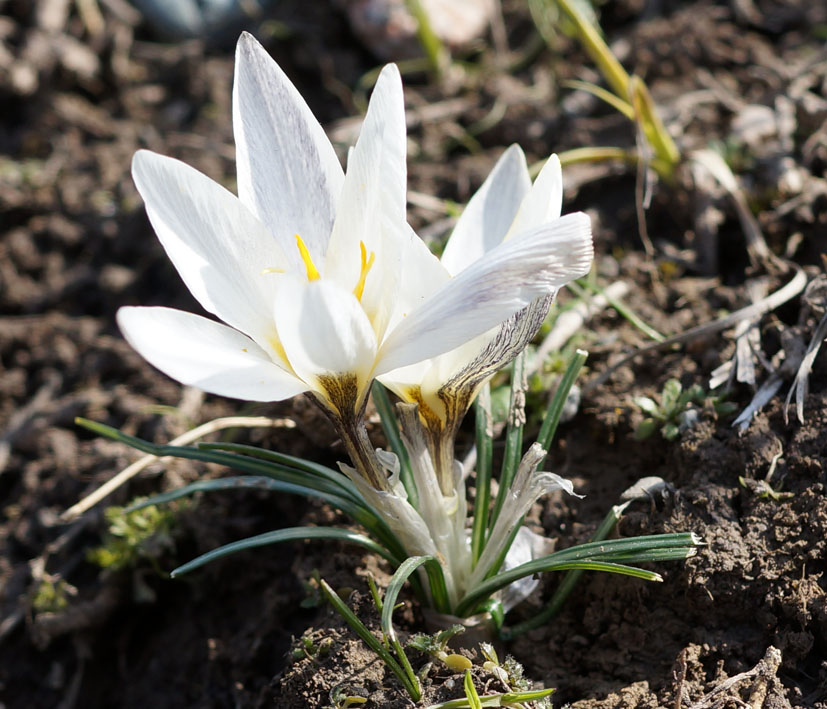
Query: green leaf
724,408
471,691
245,463
670,431
530,695
669,397
645,429
286,535
696,393
391,428
370,640
292,462
496,700
513,436
618,104
258,482
566,586
558,401
610,556
321,483
406,568
647,405
485,444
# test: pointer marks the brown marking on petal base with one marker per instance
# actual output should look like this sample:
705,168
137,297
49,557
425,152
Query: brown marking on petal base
345,411
440,437
342,392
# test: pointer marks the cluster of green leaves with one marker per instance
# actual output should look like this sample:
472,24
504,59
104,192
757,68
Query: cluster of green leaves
308,646
134,535
627,94
52,596
674,412
391,652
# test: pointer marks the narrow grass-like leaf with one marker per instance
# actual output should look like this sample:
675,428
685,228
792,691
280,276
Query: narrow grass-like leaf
259,482
513,437
614,101
529,695
371,641
546,435
471,691
374,592
622,309
616,548
391,428
611,556
484,436
322,471
597,49
471,600
652,125
285,535
558,401
321,485
566,586
438,55
244,463
496,700
406,568
243,482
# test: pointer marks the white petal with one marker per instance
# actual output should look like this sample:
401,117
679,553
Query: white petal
492,289
217,245
371,209
421,274
324,331
206,354
543,202
489,213
288,172
468,366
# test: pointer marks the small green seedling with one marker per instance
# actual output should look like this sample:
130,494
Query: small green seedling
143,534
342,700
471,691
52,595
308,647
677,410
510,672
763,490
312,591
436,645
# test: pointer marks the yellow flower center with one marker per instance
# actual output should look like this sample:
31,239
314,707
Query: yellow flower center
313,272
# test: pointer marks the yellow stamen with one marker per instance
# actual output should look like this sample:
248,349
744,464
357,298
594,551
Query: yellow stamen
366,264
312,272
272,270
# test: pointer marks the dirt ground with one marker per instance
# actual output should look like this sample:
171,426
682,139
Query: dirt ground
742,624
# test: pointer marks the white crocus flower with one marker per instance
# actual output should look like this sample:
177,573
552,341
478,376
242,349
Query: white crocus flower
505,208
315,272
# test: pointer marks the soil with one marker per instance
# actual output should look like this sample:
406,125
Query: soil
743,623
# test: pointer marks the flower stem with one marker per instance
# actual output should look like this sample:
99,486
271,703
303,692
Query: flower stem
362,454
350,425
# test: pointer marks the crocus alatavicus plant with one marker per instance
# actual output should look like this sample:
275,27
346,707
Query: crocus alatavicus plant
323,288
